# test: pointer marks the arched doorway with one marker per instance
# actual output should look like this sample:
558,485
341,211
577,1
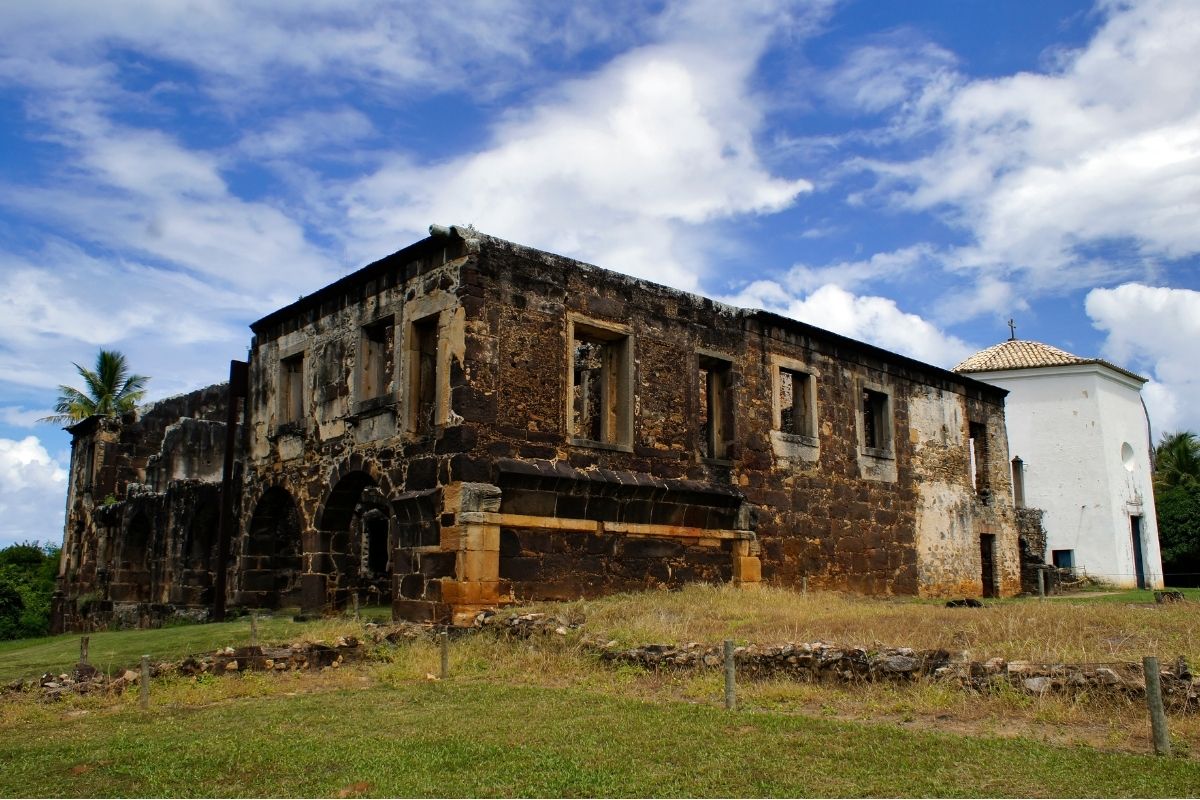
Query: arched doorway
355,534
270,563
131,578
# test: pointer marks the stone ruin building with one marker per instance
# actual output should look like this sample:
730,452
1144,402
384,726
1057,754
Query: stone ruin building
469,421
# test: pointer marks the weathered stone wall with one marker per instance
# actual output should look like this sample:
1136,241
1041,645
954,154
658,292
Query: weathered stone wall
1033,550
356,465
900,519
467,420
142,512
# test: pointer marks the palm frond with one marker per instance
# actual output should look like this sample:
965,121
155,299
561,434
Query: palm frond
110,390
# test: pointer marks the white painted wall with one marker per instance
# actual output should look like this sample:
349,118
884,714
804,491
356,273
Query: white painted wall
1070,425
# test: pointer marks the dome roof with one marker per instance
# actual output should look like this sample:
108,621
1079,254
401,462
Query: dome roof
1024,354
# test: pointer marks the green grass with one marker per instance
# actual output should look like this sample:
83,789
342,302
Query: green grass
477,739
1102,595
543,717
111,651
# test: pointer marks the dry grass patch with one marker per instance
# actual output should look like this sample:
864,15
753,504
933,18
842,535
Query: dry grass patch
1025,629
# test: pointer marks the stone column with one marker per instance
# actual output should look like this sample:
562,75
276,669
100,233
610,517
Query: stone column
476,542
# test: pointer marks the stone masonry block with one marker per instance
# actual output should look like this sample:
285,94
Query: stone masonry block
477,565
747,569
481,537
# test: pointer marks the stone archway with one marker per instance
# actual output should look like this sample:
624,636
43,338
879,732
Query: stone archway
131,578
270,564
353,542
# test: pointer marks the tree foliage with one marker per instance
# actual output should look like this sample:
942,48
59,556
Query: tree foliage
1177,502
1177,460
110,390
27,573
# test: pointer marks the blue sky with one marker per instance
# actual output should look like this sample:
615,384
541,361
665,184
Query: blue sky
912,174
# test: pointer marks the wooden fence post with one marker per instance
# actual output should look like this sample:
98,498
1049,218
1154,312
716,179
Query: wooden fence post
83,649
253,629
1158,716
1041,583
444,642
145,693
730,677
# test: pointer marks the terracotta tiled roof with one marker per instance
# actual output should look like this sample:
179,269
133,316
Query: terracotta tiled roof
1022,354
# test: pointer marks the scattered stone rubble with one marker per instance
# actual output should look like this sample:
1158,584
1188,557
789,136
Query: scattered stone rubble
821,661
523,626
87,679
807,661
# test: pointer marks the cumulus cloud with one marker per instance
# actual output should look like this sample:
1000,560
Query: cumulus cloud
1154,328
1087,173
32,483
620,167
242,49
877,320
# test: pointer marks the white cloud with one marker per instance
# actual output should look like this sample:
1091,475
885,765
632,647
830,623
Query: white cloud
1157,328
20,417
851,274
307,132
619,168
899,71
877,320
1048,171
141,192
32,492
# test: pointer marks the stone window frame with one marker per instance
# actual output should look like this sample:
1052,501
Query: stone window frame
729,415
792,446
977,459
285,421
887,417
387,398
449,326
619,433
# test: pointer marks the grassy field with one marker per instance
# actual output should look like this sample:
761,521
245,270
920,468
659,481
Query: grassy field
112,651
470,738
546,717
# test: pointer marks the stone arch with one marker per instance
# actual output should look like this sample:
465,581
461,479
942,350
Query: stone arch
353,537
354,469
271,552
131,578
201,538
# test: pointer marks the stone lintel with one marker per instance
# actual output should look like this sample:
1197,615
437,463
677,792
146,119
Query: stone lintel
598,527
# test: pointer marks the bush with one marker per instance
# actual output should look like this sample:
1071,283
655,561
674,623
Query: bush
1178,509
27,573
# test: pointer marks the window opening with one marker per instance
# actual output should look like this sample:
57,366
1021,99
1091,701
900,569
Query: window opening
377,359
1018,479
424,383
716,406
795,403
977,444
1063,559
292,387
599,401
875,420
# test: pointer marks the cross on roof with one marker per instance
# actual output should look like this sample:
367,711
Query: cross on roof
1012,328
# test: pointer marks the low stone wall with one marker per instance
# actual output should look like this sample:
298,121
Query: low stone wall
803,661
86,679
824,662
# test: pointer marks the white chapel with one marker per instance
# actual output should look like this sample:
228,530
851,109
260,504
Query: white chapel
1079,436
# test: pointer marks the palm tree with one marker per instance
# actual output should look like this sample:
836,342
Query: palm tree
111,390
1177,460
